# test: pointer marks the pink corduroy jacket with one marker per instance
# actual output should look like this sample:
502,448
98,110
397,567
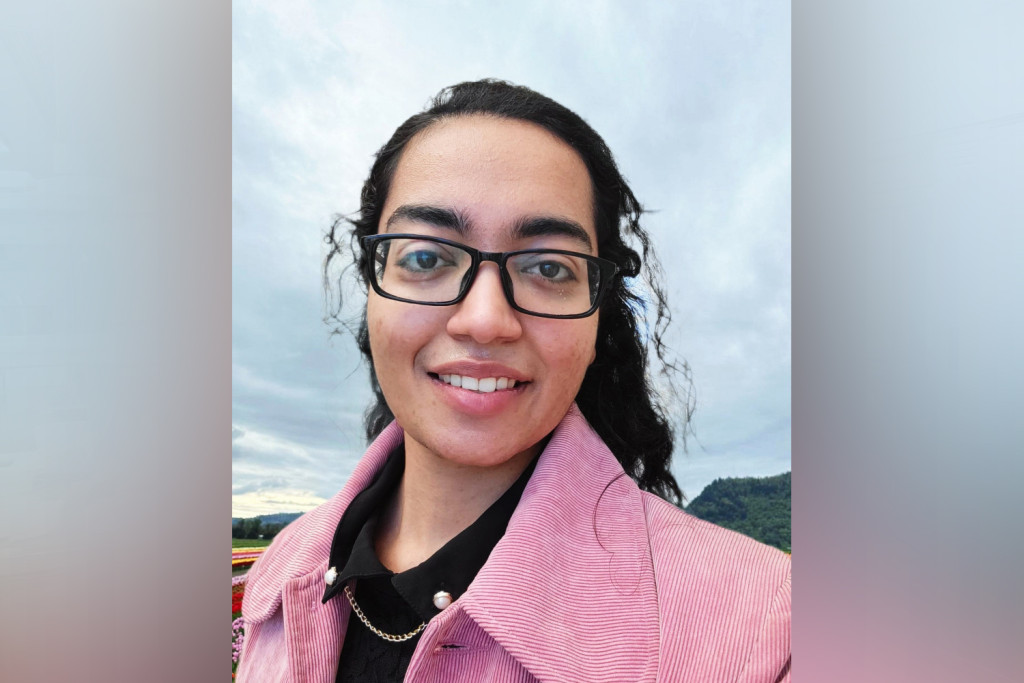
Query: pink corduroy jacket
594,580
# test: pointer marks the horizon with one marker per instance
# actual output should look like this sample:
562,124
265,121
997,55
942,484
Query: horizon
686,504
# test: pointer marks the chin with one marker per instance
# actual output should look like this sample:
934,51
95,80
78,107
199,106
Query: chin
473,451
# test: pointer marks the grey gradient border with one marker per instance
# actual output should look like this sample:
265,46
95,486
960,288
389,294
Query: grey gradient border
908,164
115,340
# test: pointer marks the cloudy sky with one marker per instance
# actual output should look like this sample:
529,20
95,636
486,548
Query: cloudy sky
694,100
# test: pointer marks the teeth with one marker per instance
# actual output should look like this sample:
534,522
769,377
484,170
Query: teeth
484,385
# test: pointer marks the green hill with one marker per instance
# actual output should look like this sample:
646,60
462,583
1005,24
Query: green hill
276,518
263,527
757,507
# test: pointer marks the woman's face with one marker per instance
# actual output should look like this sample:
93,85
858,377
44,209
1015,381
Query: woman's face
495,175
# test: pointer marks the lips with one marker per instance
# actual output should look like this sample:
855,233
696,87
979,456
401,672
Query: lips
483,385
480,377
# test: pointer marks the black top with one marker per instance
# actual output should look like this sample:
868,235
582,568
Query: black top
398,603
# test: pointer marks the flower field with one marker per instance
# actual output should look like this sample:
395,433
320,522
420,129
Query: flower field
241,558
244,557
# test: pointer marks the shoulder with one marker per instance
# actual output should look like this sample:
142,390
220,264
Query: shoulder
688,552
679,540
288,552
719,591
300,548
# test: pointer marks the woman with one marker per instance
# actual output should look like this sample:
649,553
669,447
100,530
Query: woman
505,523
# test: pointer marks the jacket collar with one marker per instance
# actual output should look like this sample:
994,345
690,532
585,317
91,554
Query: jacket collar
568,589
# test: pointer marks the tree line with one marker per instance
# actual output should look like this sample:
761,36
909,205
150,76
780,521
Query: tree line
758,507
254,527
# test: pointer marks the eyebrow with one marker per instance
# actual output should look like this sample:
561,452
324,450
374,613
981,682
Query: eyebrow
524,228
434,215
542,226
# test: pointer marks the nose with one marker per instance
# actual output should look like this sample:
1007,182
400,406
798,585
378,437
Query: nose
485,315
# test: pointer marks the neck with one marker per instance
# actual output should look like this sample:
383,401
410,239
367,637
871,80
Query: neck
436,500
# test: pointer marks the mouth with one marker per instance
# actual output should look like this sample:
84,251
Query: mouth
481,385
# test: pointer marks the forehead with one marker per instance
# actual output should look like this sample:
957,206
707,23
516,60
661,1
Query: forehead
496,171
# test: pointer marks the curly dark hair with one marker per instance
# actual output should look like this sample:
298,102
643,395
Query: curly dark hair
617,396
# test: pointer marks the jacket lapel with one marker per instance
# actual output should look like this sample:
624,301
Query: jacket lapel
569,590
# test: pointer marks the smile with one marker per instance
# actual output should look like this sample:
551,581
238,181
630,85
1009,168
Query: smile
483,385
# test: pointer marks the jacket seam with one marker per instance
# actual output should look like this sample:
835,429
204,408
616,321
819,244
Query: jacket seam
654,580
762,630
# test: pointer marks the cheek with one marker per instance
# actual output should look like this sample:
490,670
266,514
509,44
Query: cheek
577,355
386,342
398,332
375,328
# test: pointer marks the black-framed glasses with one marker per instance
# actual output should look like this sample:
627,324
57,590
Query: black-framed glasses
550,283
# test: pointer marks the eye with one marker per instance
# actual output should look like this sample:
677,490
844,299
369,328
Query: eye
550,270
553,271
422,259
419,260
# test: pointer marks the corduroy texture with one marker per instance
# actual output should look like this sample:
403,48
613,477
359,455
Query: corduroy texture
594,580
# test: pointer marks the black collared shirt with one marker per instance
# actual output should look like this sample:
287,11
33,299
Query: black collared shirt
398,603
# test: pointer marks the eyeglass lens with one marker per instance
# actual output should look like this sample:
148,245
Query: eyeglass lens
432,272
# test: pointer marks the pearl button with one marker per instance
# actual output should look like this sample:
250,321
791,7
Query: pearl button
330,576
442,599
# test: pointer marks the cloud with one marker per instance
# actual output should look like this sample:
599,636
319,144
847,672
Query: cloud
249,442
279,483
245,380
265,502
271,465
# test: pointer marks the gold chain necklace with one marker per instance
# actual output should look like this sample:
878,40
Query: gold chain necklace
386,636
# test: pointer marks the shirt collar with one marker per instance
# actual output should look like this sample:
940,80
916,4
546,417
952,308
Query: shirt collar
355,528
451,569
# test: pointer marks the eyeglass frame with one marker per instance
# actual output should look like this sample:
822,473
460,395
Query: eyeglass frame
608,270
